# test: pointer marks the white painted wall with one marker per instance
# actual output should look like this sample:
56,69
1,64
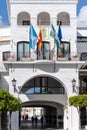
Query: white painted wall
21,33
24,71
64,73
5,36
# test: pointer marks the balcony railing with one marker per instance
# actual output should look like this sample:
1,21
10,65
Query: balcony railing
40,55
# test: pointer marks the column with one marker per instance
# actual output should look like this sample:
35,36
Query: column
86,119
15,120
73,118
0,119
66,117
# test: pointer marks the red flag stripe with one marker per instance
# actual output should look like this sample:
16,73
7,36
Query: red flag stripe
40,39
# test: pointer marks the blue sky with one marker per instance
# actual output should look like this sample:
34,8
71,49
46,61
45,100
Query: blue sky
81,3
3,12
4,16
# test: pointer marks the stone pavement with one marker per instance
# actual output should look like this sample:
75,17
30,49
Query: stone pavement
27,125
43,129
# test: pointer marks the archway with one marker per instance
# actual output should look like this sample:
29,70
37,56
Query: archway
52,114
48,95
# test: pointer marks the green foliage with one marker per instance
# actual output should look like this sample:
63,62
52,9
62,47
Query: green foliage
79,100
8,102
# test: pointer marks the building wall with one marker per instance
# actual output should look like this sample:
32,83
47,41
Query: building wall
24,72
64,72
5,36
69,33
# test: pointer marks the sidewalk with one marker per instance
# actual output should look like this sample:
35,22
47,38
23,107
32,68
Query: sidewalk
44,129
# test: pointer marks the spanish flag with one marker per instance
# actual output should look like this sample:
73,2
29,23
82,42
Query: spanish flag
40,39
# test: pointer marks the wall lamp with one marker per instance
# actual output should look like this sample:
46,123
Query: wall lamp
74,86
14,84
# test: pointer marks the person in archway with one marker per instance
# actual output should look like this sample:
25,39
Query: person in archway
42,121
32,119
36,120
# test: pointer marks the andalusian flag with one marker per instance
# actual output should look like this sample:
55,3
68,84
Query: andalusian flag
53,34
40,39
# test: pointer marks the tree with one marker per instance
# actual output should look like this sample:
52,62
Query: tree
8,103
78,102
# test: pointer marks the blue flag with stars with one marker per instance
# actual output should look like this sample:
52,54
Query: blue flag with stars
33,37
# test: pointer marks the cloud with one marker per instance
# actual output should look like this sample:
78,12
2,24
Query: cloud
82,18
1,22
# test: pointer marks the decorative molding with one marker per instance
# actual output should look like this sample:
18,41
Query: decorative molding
44,1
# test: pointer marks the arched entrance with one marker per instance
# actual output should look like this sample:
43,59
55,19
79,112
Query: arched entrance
47,98
52,114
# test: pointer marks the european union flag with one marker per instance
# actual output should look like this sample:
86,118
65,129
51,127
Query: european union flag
33,37
59,33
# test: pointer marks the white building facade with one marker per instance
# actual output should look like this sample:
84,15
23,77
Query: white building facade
43,78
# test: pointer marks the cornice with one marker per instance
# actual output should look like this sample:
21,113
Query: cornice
43,1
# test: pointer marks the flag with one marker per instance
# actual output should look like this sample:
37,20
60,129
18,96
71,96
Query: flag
33,37
59,33
40,39
53,34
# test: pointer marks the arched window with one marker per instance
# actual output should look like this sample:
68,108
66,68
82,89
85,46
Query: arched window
63,18
63,50
43,18
44,52
23,18
23,50
43,85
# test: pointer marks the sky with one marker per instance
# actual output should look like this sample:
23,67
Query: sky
81,13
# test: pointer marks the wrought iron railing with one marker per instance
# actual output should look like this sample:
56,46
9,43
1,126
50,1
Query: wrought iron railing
38,55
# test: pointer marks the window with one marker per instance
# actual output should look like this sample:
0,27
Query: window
23,18
6,55
59,22
43,85
43,18
84,56
43,53
23,50
83,85
63,50
25,22
83,90
63,18
83,115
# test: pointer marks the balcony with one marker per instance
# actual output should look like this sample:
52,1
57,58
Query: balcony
45,55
